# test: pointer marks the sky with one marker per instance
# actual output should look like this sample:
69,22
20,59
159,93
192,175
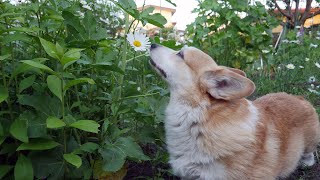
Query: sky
183,15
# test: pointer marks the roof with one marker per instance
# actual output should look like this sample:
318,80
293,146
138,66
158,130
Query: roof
301,10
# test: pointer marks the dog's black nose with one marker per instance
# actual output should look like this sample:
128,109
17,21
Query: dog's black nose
153,46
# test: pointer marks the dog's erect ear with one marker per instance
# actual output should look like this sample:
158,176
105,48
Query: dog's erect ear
226,84
238,71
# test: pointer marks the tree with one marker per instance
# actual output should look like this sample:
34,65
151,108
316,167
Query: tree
293,15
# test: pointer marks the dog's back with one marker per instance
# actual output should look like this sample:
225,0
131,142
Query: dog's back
289,129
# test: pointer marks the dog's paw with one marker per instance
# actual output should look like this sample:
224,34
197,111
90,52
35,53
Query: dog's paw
307,160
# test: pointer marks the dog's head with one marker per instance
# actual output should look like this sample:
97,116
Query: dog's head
191,68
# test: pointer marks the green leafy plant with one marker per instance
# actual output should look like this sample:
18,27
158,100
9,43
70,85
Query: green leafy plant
64,114
234,33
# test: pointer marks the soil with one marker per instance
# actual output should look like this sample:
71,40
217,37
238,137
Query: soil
149,170
309,173
146,170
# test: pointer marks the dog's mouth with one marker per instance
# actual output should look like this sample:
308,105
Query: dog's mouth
162,72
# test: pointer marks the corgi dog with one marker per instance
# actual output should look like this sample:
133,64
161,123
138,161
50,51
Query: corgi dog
214,133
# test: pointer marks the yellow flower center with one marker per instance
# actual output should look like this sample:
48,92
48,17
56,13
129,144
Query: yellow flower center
136,43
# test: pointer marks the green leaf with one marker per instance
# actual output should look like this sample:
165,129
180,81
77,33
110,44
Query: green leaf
54,84
73,21
89,147
73,159
10,14
169,1
3,57
89,25
16,37
37,65
27,82
1,130
4,94
50,48
54,17
18,129
4,169
44,104
113,158
71,55
130,7
86,125
2,138
156,19
131,148
38,144
146,11
23,169
25,29
53,122
59,49
78,81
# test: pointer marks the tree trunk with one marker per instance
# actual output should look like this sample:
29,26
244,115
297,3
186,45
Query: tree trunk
296,19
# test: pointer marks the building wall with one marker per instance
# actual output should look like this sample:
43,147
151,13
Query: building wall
309,22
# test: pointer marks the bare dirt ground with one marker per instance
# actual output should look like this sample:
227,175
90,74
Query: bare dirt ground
149,170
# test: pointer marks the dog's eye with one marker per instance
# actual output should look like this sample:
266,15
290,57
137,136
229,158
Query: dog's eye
180,54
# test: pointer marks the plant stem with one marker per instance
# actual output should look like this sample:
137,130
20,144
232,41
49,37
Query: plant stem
142,95
124,55
136,57
62,112
62,97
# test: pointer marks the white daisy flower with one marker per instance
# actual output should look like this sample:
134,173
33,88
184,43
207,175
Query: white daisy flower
290,66
87,7
313,45
301,67
81,14
317,64
285,41
312,86
295,41
138,89
313,91
104,20
307,59
139,41
83,2
312,79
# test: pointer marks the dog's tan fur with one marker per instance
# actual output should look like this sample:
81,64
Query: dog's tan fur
263,139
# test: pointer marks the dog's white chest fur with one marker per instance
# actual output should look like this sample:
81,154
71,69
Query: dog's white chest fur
187,158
